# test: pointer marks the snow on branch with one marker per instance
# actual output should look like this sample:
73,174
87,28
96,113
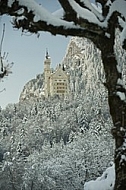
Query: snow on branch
123,37
33,17
82,13
106,181
92,7
79,17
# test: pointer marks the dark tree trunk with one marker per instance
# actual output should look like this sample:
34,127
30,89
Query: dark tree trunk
117,104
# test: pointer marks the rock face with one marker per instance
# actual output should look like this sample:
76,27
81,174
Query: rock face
83,62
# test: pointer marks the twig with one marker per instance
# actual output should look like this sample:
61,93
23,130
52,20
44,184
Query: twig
1,47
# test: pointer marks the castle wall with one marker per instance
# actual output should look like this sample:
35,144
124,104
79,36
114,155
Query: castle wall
56,83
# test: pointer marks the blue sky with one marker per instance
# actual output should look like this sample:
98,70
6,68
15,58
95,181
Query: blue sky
28,53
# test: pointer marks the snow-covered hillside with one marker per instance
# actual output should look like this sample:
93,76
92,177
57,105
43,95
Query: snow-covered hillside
53,144
33,89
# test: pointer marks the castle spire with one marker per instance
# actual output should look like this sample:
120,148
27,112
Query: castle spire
47,54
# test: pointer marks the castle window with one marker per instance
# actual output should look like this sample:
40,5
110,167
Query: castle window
60,91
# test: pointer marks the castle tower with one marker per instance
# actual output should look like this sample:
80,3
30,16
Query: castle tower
47,72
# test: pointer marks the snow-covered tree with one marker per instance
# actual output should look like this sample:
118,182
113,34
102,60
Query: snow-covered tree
98,22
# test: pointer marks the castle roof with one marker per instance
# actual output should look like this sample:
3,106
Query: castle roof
59,73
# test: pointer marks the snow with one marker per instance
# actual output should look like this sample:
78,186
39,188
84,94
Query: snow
120,7
91,13
123,158
120,82
121,95
96,10
117,6
59,13
20,11
106,181
54,19
123,35
42,14
118,68
84,13
107,35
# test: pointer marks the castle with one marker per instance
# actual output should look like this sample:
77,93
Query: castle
57,82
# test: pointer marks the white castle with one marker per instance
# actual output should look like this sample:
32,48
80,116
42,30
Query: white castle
57,82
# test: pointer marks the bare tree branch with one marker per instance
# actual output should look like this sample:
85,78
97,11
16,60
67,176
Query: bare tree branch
1,60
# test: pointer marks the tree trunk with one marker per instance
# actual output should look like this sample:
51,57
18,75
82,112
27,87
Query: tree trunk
117,104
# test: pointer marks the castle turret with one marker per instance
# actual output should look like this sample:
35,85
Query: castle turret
47,72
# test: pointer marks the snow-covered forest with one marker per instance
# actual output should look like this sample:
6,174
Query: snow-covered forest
55,144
